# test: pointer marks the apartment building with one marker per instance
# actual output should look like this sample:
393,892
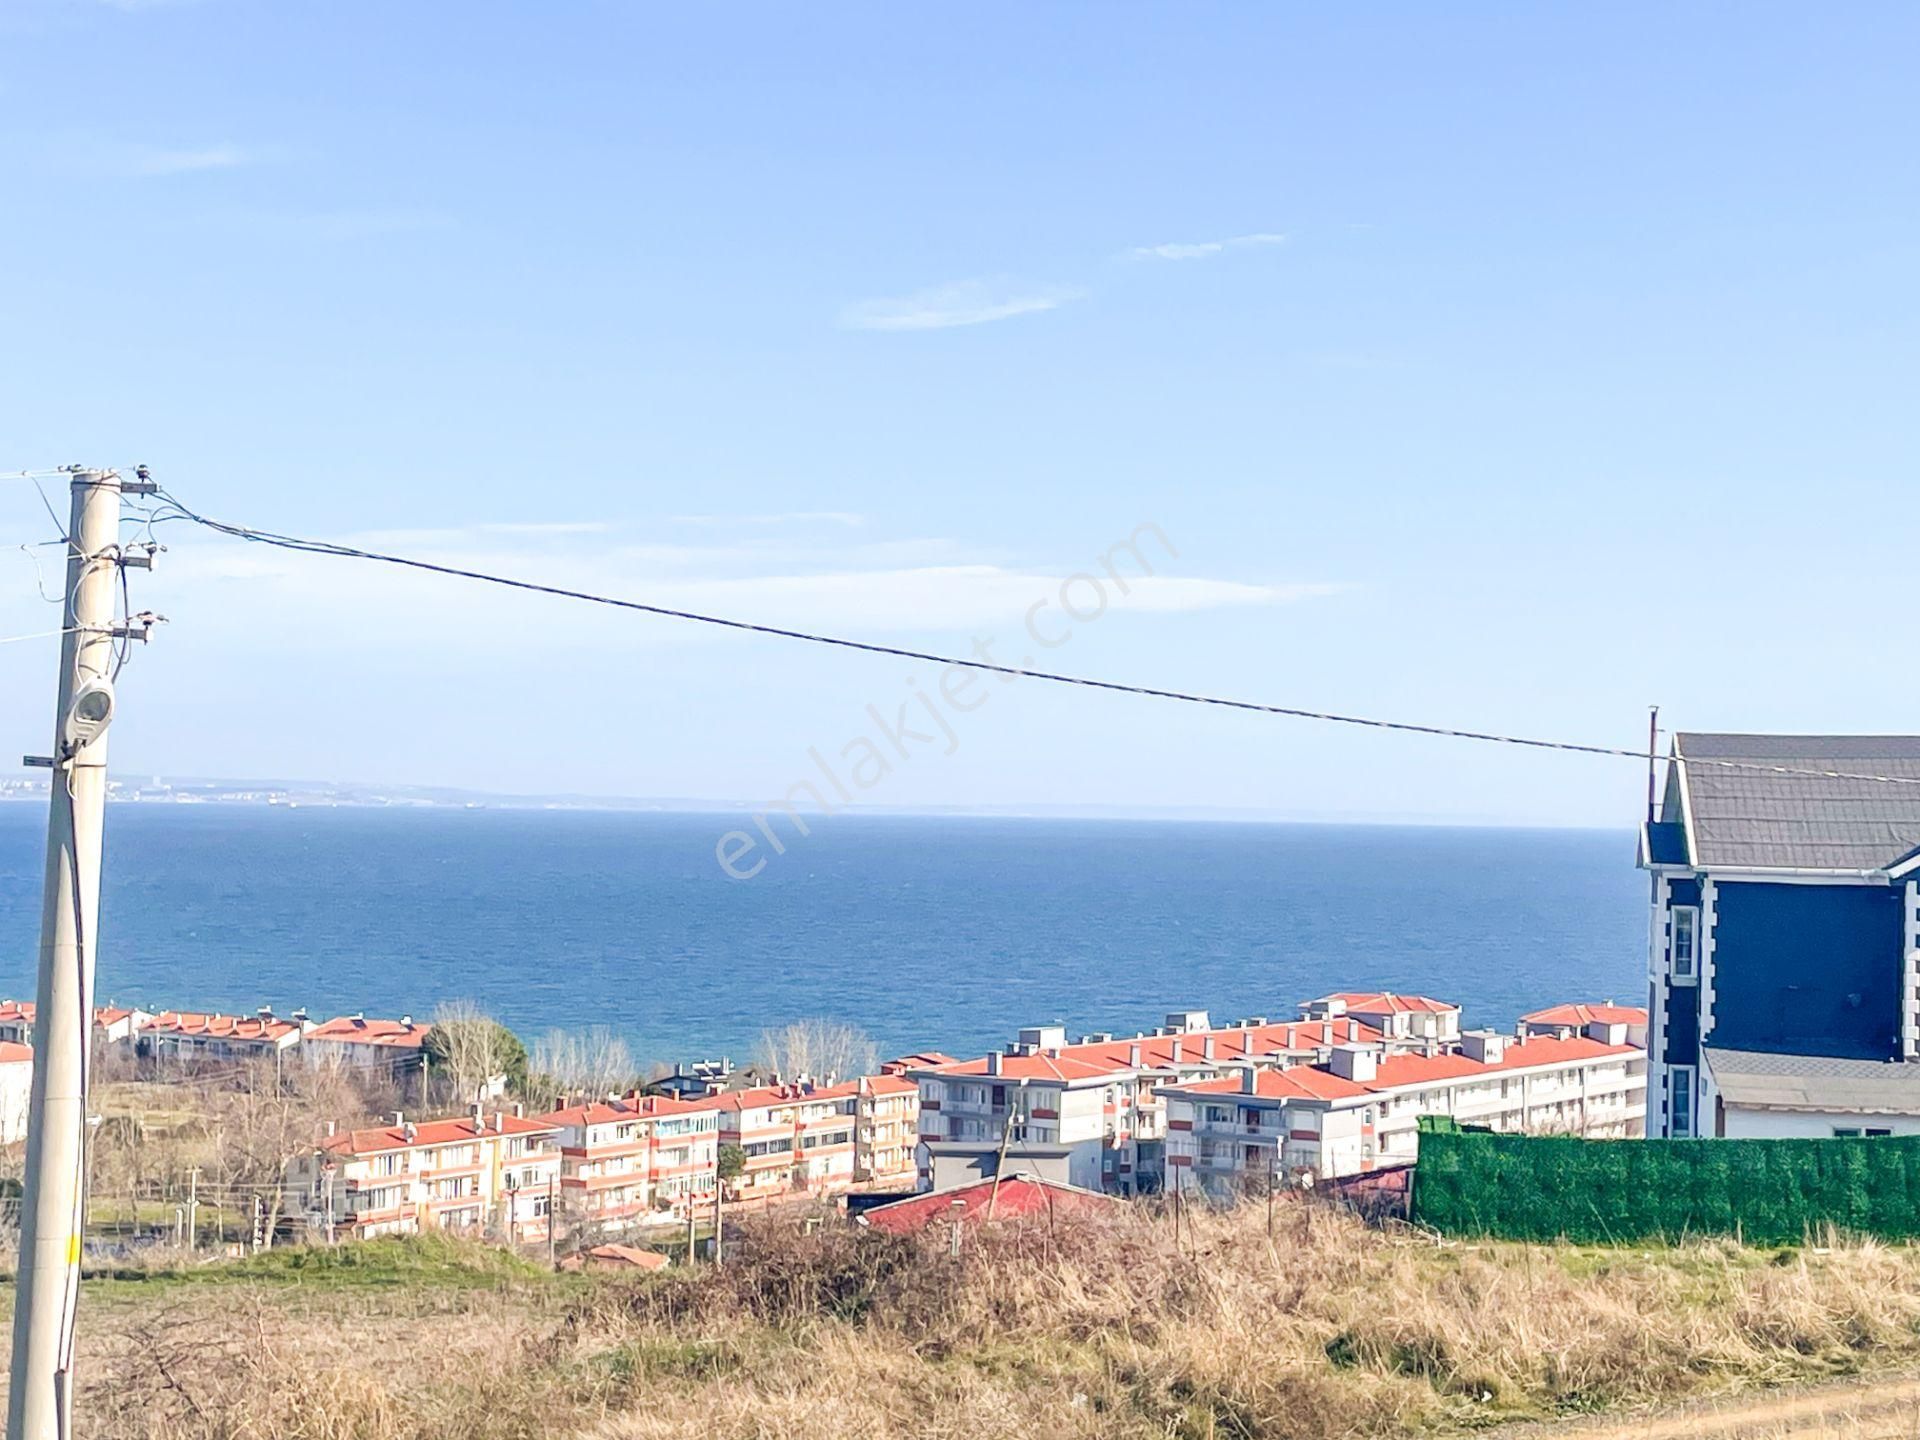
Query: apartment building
1404,1021
1361,1109
636,1160
1100,1097
16,1090
484,1174
886,1129
188,1036
113,1024
1574,1020
796,1138
395,1048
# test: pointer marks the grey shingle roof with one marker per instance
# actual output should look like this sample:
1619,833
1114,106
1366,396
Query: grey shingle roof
1815,1082
1754,818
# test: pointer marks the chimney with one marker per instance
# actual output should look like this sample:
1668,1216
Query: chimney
407,1020
1133,1055
1248,1081
1353,1062
499,1120
1206,1048
411,1132
993,1062
1326,1032
399,1119
519,1109
329,1129
1176,1051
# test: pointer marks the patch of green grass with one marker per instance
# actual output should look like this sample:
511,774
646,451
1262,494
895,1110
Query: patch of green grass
414,1261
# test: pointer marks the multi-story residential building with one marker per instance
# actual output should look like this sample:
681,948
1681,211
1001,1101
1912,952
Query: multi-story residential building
486,1174
187,1037
628,1162
886,1129
1575,1019
393,1048
112,1024
1402,1020
796,1138
1101,1096
1361,1109
1784,946
16,1089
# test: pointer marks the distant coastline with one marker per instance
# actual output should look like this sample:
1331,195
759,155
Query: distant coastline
322,795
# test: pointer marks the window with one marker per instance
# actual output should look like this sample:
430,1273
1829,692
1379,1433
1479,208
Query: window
1854,1132
1680,1123
1686,933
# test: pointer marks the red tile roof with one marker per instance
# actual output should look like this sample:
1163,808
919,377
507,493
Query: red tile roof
775,1095
1398,1072
1099,1059
884,1084
1576,1016
925,1060
1019,1195
219,1027
357,1030
12,1054
630,1107
1378,1002
624,1257
24,1010
431,1132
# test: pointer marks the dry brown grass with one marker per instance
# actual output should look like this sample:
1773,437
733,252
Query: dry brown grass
1096,1329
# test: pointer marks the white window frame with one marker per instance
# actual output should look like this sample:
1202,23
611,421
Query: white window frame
1680,1124
1691,974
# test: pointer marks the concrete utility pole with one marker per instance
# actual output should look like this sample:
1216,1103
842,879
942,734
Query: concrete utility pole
40,1399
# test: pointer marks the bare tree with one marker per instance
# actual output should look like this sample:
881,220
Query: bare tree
594,1063
821,1049
466,1048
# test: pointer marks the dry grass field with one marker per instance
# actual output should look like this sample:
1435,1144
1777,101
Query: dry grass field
1098,1329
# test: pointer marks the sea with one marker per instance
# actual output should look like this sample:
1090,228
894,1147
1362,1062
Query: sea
945,932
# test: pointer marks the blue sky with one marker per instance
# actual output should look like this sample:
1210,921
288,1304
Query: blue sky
1484,367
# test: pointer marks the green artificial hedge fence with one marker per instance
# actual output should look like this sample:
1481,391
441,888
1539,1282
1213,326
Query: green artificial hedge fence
1525,1187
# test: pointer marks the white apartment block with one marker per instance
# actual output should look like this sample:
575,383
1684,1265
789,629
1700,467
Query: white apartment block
188,1036
1404,1021
1101,1097
394,1049
1361,1110
637,1160
797,1138
483,1174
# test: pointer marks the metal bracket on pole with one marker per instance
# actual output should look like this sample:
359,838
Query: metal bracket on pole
37,762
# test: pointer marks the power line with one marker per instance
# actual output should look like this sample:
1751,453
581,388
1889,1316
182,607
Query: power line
180,511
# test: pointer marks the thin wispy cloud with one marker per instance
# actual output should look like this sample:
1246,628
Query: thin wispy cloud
964,302
153,160
1206,249
791,517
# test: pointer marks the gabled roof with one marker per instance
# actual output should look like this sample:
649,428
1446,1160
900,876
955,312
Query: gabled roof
219,1027
630,1107
432,1132
1385,1002
1761,819
12,1054
1018,1195
769,1096
1578,1015
922,1060
1101,1060
358,1030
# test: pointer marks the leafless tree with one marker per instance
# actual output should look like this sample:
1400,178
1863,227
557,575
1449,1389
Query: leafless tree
592,1062
462,1047
821,1049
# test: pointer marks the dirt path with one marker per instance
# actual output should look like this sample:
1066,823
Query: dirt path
1882,1409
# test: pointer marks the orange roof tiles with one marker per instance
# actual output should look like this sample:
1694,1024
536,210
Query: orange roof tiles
431,1132
1017,1195
357,1030
1099,1059
219,1027
1575,1016
1386,1002
12,1054
1297,1082
631,1107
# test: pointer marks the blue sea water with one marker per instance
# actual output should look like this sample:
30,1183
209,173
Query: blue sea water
925,931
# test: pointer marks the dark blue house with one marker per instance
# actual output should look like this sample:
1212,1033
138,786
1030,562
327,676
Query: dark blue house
1784,950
